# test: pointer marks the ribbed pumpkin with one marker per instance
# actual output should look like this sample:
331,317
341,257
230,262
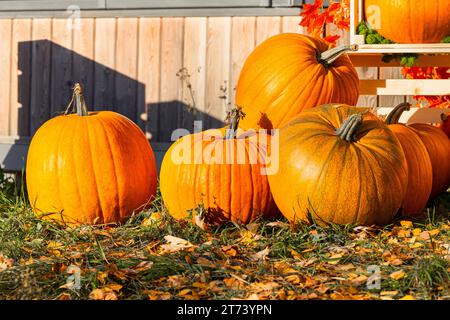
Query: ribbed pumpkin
410,21
89,167
289,73
445,125
339,164
224,175
438,147
420,170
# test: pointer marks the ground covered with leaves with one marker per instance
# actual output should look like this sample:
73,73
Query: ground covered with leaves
153,256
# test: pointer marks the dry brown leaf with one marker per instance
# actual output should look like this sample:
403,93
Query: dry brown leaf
102,294
230,250
175,244
261,255
205,262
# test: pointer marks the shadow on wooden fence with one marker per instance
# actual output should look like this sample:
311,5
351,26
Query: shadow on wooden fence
47,73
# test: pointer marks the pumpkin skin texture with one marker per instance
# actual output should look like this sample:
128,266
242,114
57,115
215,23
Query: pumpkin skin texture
438,147
228,191
412,21
445,125
91,169
338,180
283,76
420,170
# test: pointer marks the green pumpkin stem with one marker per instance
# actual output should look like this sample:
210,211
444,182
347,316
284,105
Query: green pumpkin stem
77,101
349,128
233,117
326,58
394,116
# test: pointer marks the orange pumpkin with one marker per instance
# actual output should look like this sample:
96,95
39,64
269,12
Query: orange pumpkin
224,175
339,164
445,125
410,21
89,167
289,73
420,170
438,147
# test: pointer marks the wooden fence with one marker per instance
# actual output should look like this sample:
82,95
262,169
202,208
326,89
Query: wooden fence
161,72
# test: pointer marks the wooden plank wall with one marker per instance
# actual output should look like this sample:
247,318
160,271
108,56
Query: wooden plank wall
130,65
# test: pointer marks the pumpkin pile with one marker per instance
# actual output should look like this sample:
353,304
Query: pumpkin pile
326,161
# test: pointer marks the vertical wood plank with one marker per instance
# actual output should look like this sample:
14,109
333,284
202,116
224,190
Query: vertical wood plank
218,70
5,74
148,75
242,44
194,61
61,65
20,78
105,51
40,72
126,67
267,27
171,89
291,25
83,57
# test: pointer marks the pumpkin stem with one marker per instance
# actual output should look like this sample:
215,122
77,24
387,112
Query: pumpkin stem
77,101
233,117
444,117
326,58
349,128
394,116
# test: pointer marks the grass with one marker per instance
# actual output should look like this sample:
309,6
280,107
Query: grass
264,260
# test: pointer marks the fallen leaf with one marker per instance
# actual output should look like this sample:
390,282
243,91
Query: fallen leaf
175,244
5,262
407,297
261,255
406,224
278,224
397,275
103,294
231,250
205,262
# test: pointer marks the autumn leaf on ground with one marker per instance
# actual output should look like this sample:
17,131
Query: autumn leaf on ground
397,275
175,244
5,263
261,255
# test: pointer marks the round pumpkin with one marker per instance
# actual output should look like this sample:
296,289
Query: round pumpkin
445,125
289,73
410,21
89,167
420,170
438,147
339,164
219,175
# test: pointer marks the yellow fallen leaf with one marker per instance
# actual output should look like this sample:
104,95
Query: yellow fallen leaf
407,297
416,231
406,224
388,293
416,245
397,275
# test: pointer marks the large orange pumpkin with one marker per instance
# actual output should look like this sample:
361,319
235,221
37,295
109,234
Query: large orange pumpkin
223,175
339,164
89,167
289,73
438,147
410,21
445,125
420,170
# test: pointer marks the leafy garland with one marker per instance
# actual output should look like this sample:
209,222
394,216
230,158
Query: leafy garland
314,17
